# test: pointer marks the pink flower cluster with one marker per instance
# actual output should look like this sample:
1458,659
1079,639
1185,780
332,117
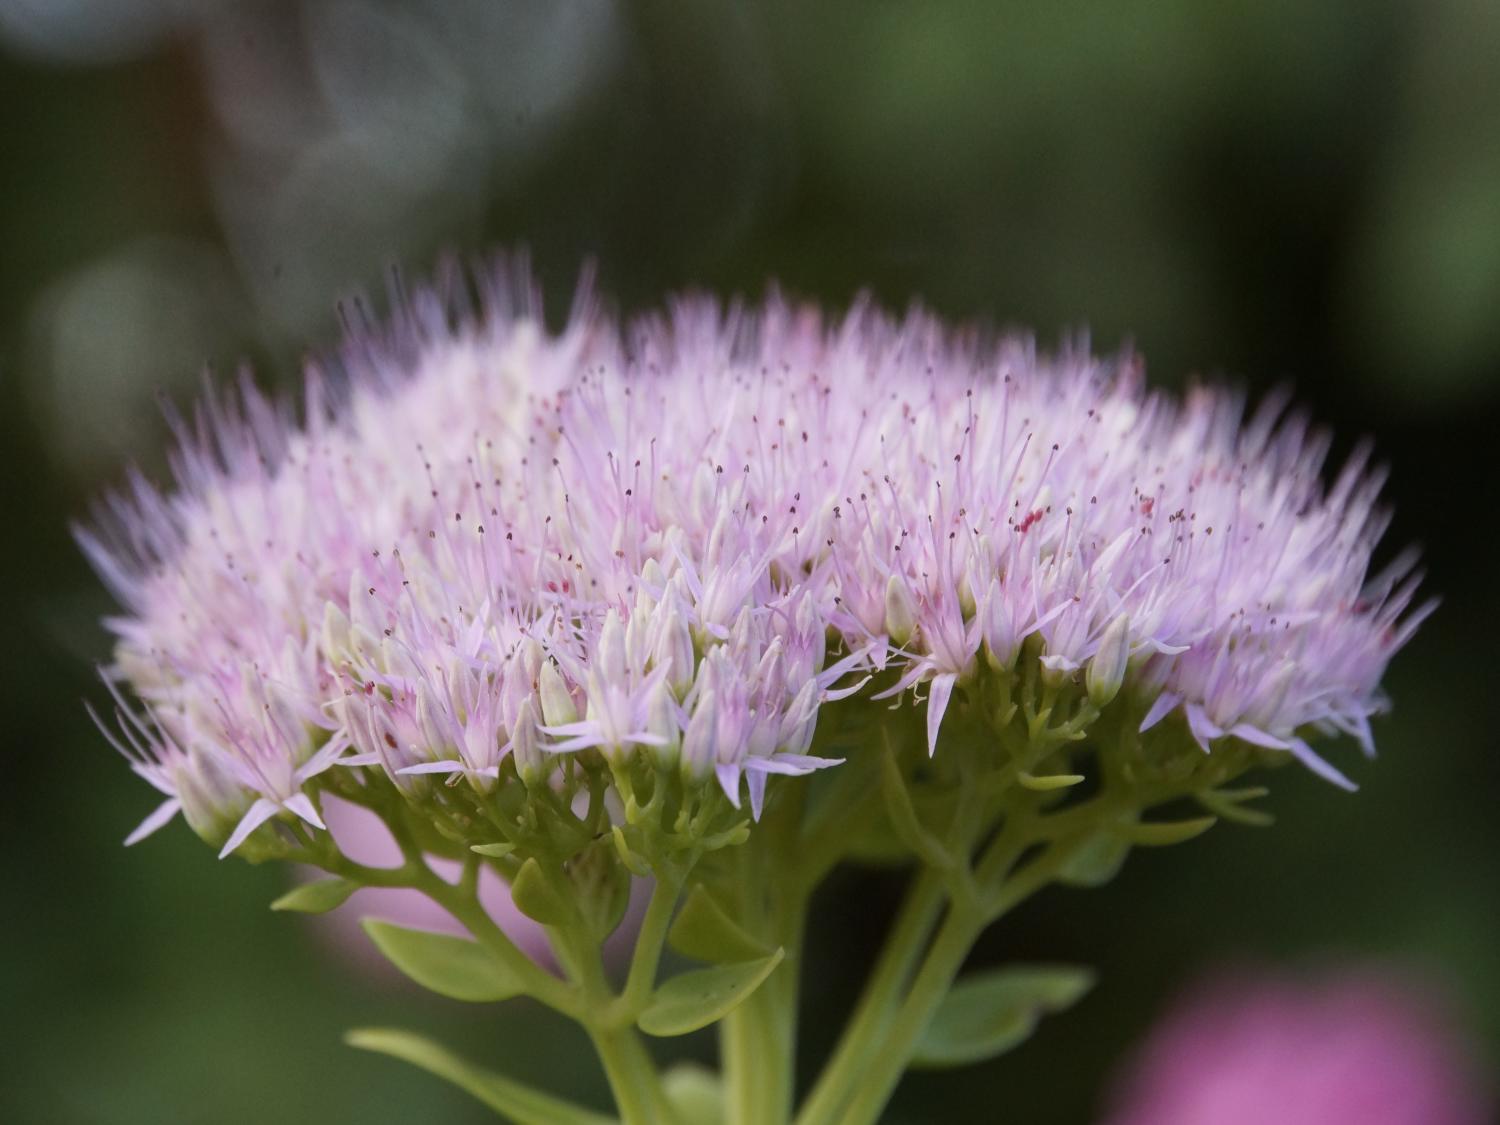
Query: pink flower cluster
681,536
1355,1046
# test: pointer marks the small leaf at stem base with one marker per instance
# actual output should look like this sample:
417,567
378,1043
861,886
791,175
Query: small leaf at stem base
536,898
494,851
1160,834
989,1013
704,931
318,897
696,999
450,966
1095,863
1047,782
509,1098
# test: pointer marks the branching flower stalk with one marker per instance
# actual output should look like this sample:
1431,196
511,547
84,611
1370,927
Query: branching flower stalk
723,600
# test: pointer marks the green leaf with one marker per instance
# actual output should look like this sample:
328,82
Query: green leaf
903,813
494,851
704,931
696,999
1160,834
1047,782
1230,805
1096,863
511,1099
696,1093
536,898
318,897
987,1014
601,888
450,966
637,865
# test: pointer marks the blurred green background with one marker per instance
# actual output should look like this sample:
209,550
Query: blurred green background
1270,191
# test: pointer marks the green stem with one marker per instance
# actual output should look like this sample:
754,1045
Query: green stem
461,901
758,1040
881,996
649,943
467,910
877,1082
872,1087
743,1047
632,1076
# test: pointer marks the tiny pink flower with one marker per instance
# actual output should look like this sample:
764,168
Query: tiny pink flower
689,519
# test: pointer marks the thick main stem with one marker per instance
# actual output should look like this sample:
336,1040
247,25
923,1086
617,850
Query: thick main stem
632,1075
881,995
960,929
758,1040
878,1080
650,942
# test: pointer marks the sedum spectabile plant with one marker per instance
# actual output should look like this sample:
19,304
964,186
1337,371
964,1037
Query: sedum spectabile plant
724,599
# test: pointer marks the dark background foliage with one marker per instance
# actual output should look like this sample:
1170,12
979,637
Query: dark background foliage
1270,192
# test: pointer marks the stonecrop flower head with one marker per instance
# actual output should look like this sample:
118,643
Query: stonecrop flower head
483,555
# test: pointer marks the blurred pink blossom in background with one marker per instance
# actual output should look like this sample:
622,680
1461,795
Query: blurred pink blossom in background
1366,1046
363,838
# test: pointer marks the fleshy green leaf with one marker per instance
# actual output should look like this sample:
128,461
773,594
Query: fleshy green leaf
903,814
494,851
451,966
536,898
696,999
1230,805
318,897
637,865
990,1013
704,931
1096,863
1047,782
1162,833
601,886
511,1099
696,1093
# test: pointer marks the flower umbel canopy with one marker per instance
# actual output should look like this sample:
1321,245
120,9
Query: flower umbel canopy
480,549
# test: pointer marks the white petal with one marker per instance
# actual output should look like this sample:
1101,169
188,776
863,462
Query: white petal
755,780
301,804
158,818
937,705
1313,761
1165,704
729,781
1257,737
1204,730
258,813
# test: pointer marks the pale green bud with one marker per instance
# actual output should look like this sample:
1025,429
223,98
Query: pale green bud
900,611
1106,671
558,708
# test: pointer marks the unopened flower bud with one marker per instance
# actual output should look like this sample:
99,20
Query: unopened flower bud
525,747
661,721
700,740
674,650
1000,642
609,659
900,611
1106,670
558,708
